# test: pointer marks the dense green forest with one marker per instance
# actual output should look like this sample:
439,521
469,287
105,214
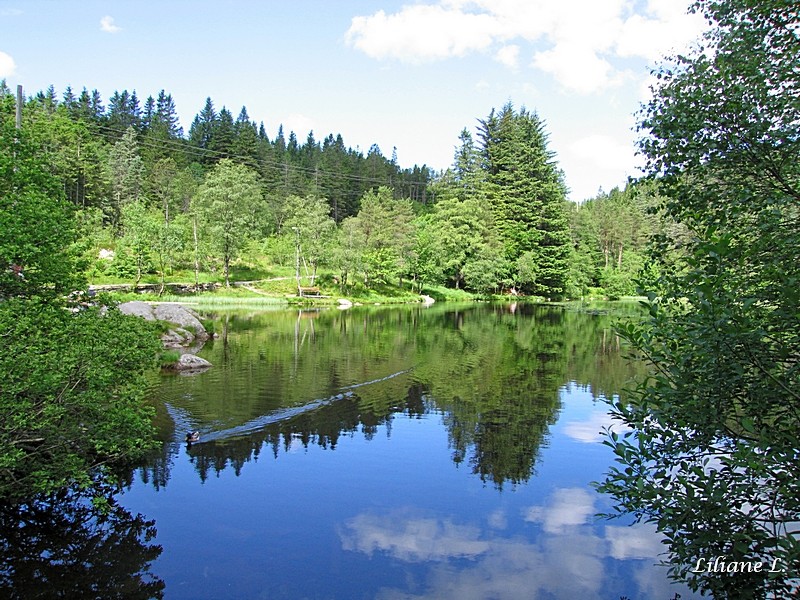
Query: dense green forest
224,200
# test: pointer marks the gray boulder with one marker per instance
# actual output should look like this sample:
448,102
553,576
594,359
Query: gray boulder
188,335
191,362
182,316
138,309
178,338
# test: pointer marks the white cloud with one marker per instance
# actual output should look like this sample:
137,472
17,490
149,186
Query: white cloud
590,430
107,25
7,65
638,541
412,539
578,69
599,161
508,55
578,42
653,38
421,33
498,519
569,560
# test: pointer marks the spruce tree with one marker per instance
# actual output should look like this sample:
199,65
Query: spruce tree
246,145
202,131
527,194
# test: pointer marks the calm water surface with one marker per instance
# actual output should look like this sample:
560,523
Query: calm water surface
444,452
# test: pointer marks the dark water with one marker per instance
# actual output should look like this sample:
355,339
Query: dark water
384,453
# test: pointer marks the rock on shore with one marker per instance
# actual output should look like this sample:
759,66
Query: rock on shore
186,334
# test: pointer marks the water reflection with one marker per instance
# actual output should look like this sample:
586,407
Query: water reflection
570,560
392,453
64,546
494,372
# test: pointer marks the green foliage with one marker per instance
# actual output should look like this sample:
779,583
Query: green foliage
70,386
140,231
71,394
169,357
386,235
423,259
308,223
347,255
466,242
126,172
36,227
611,234
76,154
712,459
526,191
225,205
617,283
497,215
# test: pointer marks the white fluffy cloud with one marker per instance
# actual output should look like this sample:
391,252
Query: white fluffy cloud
567,561
7,65
412,539
107,25
508,55
579,42
421,33
589,431
577,69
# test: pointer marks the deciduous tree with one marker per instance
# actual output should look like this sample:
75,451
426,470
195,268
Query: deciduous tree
713,460
225,204
70,386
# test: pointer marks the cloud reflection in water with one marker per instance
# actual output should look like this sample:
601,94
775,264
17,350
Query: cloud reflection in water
571,557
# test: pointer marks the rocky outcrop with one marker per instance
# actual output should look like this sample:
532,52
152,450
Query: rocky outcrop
186,332
184,317
138,309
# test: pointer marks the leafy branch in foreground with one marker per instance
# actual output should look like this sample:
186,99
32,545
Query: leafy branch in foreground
71,381
713,458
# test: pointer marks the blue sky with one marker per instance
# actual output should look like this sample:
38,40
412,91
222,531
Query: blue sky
409,75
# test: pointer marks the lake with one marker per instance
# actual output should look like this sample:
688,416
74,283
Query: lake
377,452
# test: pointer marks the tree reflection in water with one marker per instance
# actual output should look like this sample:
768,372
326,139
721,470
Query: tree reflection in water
66,546
493,372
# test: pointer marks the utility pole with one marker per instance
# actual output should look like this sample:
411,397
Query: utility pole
19,107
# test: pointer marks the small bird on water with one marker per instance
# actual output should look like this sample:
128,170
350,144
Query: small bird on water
192,436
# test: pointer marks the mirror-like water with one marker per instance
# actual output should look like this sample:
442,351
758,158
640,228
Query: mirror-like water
392,453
